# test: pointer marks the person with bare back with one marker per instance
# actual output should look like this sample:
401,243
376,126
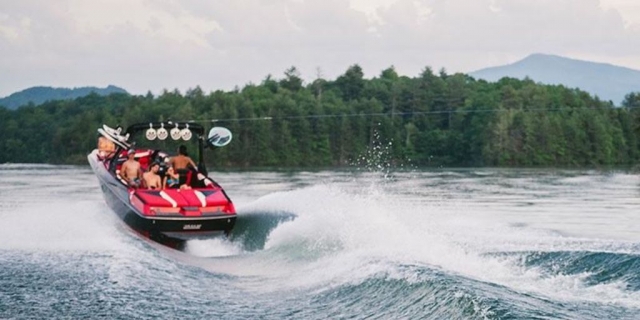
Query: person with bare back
182,160
130,170
181,163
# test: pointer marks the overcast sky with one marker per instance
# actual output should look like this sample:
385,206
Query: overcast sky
144,45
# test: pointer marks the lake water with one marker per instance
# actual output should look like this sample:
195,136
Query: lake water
438,244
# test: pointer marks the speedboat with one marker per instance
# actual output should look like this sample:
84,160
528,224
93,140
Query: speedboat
198,208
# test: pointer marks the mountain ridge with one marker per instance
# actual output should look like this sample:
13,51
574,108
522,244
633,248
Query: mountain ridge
605,80
41,94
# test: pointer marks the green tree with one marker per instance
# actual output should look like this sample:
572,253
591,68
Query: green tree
292,80
351,83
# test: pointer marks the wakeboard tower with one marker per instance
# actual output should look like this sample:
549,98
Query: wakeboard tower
197,207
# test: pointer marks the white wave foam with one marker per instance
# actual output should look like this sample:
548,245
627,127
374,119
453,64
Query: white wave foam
345,234
209,248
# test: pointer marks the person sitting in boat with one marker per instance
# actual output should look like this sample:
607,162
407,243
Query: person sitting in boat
130,170
171,179
181,163
152,178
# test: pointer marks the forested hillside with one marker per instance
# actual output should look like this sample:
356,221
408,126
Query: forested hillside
432,119
39,95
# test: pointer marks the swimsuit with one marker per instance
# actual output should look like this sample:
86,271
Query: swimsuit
171,182
135,182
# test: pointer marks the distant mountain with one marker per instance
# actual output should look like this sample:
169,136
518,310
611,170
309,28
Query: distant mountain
39,95
606,81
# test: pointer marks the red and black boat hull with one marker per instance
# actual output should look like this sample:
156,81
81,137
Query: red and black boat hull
160,228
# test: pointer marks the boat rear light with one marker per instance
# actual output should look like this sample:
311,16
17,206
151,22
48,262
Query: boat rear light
213,209
217,210
164,211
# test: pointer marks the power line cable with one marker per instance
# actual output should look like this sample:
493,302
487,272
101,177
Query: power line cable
391,114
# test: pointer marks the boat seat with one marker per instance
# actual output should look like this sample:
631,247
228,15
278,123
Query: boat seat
202,181
185,176
144,159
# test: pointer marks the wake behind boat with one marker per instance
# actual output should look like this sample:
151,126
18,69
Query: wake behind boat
196,207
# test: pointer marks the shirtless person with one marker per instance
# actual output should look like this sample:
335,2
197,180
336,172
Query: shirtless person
130,170
181,161
180,164
151,178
